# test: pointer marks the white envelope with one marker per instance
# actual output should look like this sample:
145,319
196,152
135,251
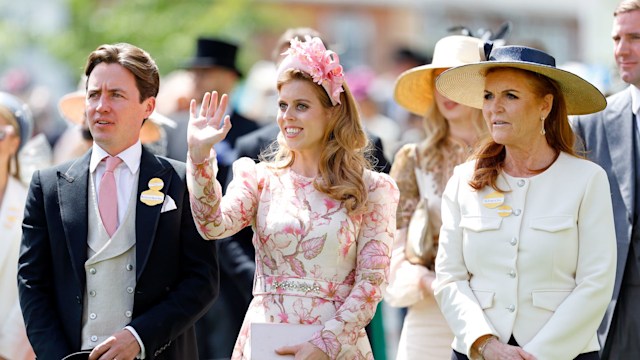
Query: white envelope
168,204
267,337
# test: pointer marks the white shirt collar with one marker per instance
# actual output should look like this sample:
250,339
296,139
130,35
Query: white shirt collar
130,156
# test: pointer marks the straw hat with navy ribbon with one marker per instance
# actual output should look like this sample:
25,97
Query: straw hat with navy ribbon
414,87
465,84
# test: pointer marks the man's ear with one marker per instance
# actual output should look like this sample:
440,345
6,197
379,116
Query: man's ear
150,105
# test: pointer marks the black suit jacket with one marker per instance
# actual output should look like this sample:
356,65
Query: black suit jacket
607,138
176,270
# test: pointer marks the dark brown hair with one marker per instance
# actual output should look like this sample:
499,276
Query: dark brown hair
132,58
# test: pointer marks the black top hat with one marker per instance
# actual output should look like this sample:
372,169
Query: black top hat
80,355
213,52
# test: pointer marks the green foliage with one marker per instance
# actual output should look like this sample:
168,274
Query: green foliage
167,29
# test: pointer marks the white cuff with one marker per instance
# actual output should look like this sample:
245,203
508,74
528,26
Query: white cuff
142,353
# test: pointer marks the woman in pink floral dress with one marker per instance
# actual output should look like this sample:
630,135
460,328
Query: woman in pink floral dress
323,222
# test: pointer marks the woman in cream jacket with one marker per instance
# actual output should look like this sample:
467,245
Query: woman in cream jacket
15,129
526,262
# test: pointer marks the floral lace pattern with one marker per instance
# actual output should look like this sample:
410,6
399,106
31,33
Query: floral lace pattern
453,154
315,264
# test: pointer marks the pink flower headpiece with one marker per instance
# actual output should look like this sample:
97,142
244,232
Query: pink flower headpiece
311,57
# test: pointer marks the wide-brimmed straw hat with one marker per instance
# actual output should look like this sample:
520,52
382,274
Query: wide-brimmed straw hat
465,84
71,106
414,87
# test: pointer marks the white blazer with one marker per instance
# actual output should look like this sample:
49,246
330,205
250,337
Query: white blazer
543,274
14,344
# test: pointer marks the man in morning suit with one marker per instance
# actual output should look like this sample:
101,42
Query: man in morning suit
110,258
612,139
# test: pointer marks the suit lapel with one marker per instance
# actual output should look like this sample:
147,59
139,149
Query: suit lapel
620,130
147,216
73,187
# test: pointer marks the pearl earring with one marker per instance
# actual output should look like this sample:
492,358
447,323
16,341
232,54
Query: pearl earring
542,130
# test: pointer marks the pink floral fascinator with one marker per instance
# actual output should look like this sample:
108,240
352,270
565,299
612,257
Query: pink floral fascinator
310,56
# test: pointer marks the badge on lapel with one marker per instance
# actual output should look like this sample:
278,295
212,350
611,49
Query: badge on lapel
153,196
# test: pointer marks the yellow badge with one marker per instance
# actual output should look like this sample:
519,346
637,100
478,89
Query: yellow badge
505,210
153,196
493,200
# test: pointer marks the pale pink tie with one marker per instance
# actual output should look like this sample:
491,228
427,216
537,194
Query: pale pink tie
108,196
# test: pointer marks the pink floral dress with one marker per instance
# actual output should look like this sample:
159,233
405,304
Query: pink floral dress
315,264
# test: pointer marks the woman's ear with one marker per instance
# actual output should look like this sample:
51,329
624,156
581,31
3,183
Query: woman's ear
547,105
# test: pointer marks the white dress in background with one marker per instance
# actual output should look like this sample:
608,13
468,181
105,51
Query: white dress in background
14,344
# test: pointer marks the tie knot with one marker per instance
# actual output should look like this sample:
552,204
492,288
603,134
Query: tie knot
112,162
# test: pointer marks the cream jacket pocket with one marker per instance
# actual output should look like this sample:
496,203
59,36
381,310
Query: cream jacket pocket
553,223
485,298
480,223
549,299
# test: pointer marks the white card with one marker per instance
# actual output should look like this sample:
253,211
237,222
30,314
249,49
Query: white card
267,337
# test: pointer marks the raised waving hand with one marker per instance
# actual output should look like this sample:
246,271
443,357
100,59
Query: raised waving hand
207,127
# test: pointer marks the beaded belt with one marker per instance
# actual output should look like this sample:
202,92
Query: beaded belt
303,287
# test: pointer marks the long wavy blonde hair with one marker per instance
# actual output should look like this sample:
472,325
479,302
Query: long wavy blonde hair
344,157
14,164
437,133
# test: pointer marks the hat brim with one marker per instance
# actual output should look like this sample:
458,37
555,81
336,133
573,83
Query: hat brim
465,84
413,89
71,106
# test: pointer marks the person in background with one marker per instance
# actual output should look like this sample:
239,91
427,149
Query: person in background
402,58
360,81
323,221
526,258
452,130
610,138
110,259
16,126
212,67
